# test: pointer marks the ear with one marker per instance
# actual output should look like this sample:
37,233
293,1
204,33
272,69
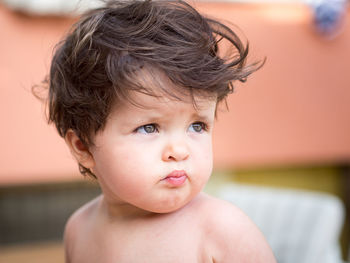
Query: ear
79,150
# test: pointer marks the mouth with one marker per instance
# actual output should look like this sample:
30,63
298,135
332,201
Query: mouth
176,178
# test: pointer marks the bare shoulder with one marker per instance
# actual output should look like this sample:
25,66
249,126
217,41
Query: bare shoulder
76,225
231,235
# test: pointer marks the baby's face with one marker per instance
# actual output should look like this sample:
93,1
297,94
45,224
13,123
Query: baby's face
156,157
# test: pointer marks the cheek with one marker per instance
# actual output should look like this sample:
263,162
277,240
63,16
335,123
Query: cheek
124,166
203,157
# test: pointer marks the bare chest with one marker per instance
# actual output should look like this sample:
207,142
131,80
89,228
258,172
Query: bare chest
163,245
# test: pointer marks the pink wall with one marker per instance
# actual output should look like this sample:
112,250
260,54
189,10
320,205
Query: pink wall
294,111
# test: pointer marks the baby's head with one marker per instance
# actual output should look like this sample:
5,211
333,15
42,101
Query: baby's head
162,49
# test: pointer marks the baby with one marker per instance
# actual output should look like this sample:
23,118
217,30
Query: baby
134,89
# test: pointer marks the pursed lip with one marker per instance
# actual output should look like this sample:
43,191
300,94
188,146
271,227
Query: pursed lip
176,178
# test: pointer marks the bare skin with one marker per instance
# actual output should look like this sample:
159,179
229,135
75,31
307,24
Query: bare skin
205,230
151,163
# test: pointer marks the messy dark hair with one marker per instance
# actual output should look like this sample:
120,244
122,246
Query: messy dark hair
97,63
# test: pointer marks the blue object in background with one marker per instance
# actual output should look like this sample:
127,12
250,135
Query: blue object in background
328,14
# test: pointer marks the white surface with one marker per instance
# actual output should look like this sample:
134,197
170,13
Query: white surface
300,226
49,7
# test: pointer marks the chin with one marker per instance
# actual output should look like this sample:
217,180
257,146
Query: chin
166,210
170,206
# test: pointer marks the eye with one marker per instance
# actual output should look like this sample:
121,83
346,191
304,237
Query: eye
198,127
146,129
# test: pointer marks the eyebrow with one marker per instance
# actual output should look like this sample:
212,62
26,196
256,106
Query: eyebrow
156,117
202,117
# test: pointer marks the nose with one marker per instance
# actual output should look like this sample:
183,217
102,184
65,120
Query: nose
175,151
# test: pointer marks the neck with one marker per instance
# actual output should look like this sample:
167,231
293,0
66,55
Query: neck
123,211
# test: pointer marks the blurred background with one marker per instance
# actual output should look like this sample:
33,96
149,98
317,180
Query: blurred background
286,133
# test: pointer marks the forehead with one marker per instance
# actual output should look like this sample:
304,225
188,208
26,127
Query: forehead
143,105
162,103
147,108
149,87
